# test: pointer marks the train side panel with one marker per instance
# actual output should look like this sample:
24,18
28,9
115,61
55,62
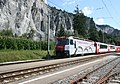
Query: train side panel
117,48
101,47
112,48
84,47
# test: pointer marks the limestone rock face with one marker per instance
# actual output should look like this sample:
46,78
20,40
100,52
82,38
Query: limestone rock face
109,30
60,19
22,16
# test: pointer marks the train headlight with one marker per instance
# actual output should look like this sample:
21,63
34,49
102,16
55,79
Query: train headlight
67,48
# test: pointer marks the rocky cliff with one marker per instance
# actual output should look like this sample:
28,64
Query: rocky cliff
22,16
109,30
60,19
25,17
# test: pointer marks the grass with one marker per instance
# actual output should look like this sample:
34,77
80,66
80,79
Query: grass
18,55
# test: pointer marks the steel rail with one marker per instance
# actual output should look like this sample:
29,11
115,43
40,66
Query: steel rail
102,79
19,74
86,75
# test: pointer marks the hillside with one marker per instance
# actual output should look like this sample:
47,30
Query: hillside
30,18
108,29
26,17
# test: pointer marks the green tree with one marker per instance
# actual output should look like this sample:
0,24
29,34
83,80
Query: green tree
61,32
31,33
76,33
100,33
93,33
79,22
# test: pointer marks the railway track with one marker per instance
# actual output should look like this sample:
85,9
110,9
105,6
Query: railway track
101,75
113,77
11,76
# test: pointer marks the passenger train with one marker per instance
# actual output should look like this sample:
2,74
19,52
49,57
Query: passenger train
70,46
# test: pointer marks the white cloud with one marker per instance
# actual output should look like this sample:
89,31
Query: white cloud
69,2
87,11
72,2
100,21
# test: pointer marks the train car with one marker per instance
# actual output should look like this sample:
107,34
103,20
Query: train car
112,48
117,48
72,46
101,47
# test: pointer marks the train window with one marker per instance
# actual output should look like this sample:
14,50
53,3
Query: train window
112,47
103,46
71,42
64,42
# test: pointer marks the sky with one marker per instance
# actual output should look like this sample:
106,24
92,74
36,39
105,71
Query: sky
102,11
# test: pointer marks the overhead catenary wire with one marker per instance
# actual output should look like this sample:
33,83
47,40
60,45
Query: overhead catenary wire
110,13
104,17
114,9
55,4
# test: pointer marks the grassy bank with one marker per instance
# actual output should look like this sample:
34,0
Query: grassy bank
17,55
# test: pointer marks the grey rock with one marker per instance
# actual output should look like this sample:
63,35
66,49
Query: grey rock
108,29
23,15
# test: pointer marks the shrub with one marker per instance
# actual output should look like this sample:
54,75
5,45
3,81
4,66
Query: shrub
23,44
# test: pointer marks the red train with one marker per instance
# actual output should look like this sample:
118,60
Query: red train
117,48
73,46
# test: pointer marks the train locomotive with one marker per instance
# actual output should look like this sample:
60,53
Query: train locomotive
70,46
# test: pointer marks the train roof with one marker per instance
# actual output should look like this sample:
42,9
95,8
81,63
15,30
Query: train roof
72,37
77,38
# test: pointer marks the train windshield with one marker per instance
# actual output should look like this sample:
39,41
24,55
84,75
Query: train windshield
63,42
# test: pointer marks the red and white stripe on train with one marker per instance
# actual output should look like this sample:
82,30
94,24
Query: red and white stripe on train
117,48
73,46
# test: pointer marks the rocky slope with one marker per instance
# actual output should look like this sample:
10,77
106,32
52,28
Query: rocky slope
109,30
60,19
22,16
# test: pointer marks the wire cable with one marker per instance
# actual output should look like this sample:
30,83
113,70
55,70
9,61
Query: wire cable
114,9
55,5
109,12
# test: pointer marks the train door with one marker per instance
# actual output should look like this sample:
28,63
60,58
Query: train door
72,46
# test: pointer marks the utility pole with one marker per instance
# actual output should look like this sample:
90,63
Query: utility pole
48,36
48,31
103,35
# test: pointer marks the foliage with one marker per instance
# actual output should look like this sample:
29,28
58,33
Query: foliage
116,40
101,39
7,32
85,27
29,35
93,33
61,32
76,33
79,22
22,44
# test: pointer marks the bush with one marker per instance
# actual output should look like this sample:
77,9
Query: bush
23,44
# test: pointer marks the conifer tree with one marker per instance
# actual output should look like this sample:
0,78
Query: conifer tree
61,32
93,33
79,22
